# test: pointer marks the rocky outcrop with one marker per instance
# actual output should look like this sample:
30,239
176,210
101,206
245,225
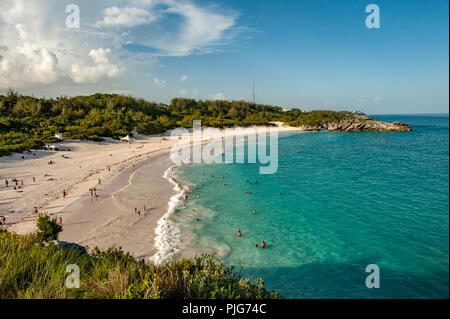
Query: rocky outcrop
64,244
360,123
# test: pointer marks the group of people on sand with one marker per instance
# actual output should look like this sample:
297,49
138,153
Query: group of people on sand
18,184
93,192
138,212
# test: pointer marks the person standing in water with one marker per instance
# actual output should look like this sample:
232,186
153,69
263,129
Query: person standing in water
239,234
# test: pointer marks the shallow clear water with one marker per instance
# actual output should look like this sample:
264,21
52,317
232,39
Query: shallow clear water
348,200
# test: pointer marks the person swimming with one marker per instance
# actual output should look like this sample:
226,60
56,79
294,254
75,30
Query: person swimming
263,244
254,212
239,234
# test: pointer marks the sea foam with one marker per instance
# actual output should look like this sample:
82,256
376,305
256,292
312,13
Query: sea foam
168,239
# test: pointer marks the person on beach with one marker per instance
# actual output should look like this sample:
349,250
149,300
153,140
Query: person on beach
135,211
60,222
6,183
99,181
2,220
145,208
35,210
64,193
239,234
34,179
21,183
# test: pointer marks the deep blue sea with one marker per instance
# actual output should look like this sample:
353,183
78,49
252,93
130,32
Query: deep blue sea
348,200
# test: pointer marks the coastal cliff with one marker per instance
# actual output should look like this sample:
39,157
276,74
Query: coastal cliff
358,123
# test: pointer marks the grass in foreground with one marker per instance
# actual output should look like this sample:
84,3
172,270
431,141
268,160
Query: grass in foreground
29,269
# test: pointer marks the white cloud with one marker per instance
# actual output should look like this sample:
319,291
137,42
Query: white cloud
29,64
184,92
90,74
125,17
330,104
367,99
218,96
39,54
159,82
201,29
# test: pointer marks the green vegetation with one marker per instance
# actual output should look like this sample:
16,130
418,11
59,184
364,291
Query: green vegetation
27,122
28,269
48,228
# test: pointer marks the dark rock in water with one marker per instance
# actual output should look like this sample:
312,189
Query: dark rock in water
80,249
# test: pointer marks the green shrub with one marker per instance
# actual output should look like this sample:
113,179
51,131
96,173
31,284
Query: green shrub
28,122
48,228
29,269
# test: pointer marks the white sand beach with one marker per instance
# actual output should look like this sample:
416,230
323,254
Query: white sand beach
110,219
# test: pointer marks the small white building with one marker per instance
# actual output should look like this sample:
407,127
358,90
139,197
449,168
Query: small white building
126,139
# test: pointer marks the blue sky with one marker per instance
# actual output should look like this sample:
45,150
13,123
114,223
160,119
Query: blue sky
309,54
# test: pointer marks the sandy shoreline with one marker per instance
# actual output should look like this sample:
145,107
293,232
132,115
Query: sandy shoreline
104,222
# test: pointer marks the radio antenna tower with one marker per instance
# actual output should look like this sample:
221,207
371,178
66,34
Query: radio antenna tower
253,92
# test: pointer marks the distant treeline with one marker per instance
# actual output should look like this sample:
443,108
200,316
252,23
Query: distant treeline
28,122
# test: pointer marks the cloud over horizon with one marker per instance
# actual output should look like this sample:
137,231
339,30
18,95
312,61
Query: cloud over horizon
37,50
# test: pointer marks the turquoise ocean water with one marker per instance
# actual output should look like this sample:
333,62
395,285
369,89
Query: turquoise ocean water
348,200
